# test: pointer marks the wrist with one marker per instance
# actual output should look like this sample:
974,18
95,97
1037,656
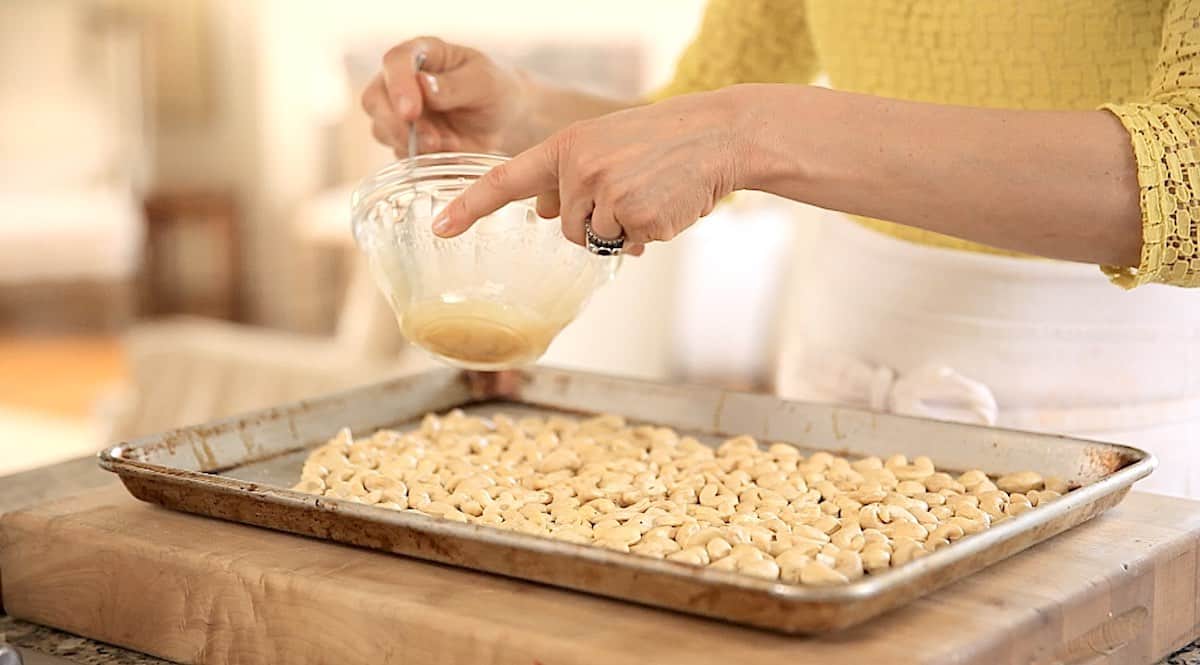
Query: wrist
526,114
546,108
766,148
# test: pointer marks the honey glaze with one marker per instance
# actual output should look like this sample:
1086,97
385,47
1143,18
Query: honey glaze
479,334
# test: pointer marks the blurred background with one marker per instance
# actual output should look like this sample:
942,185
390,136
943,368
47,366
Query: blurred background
174,185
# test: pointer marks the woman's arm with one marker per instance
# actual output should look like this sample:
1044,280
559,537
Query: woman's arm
1119,187
1056,184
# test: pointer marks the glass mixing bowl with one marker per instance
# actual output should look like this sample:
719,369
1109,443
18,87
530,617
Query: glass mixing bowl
493,298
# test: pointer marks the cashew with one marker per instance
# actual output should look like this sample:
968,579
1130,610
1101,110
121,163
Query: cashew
876,558
718,548
1015,509
910,488
826,524
1038,497
969,526
932,499
850,564
818,573
907,551
849,537
729,564
969,479
1022,482
613,545
649,491
783,451
884,477
806,547
983,488
311,486
697,556
942,481
906,530
657,547
870,493
747,552
875,537
761,538
1056,484
925,518
623,534
948,532
867,464
934,544
684,533
872,517
993,503
962,500
763,568
701,537
919,469
972,513
796,557
664,531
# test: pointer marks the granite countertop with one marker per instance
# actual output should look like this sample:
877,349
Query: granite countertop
81,475
78,649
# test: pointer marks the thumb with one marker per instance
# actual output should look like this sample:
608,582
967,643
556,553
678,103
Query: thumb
400,71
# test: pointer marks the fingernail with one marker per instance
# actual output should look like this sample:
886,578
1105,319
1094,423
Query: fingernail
404,106
441,223
431,83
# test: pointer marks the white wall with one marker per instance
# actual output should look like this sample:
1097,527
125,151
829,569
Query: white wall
219,152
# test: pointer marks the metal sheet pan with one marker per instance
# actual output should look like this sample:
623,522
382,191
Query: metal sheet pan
239,469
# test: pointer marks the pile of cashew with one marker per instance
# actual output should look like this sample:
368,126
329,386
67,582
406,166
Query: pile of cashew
770,513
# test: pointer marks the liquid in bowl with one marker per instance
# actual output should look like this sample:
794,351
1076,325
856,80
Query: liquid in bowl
479,334
489,299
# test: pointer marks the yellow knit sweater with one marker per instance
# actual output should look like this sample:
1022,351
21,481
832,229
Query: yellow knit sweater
1138,59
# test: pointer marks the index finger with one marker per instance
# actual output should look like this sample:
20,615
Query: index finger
528,174
400,72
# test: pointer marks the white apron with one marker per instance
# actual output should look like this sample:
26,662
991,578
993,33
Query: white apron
1038,345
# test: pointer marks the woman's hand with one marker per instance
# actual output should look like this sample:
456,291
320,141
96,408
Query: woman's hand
647,173
461,100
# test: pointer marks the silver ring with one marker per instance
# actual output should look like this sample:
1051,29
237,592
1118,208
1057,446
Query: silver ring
601,246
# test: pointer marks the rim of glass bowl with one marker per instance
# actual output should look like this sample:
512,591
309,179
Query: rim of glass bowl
403,173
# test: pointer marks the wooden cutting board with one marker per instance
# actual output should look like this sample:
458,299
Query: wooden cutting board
1120,589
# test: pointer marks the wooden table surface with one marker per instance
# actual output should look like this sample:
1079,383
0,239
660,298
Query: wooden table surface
77,476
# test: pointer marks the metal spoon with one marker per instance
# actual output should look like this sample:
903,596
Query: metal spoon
412,126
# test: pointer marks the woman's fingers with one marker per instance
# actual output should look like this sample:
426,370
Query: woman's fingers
454,88
407,86
374,97
527,175
548,205
575,213
384,123
400,77
429,137
560,191
604,225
